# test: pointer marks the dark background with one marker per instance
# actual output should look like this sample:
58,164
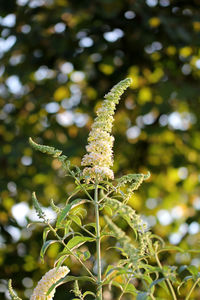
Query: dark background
58,59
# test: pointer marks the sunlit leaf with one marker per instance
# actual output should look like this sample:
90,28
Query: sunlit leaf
45,247
77,241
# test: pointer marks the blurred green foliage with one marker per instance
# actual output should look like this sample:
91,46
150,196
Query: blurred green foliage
58,59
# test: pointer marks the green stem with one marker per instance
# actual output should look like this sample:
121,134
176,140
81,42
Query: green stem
70,251
80,185
83,228
71,196
169,285
122,293
152,297
105,196
98,244
192,289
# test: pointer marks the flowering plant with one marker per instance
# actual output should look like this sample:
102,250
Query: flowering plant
139,271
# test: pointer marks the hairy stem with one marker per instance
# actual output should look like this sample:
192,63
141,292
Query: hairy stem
169,285
192,289
98,244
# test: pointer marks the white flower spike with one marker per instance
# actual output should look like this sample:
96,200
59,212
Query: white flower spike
99,158
46,282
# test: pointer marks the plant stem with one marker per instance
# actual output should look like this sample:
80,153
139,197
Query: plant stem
79,183
70,250
98,244
83,228
152,297
122,293
169,285
192,289
105,196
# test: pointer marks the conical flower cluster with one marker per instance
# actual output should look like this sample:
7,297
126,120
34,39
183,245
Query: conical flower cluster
100,155
46,282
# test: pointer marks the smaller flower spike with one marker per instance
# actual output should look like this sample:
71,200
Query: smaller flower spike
11,292
99,158
46,282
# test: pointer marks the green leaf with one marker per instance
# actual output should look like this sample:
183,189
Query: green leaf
193,270
183,282
67,227
63,255
45,234
117,284
89,293
109,269
142,296
151,269
78,241
67,208
193,251
130,288
76,219
63,214
146,278
108,183
101,187
68,279
182,268
80,211
188,278
108,209
156,282
126,288
159,239
171,248
117,271
86,186
34,223
91,225
45,247
84,255
59,261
